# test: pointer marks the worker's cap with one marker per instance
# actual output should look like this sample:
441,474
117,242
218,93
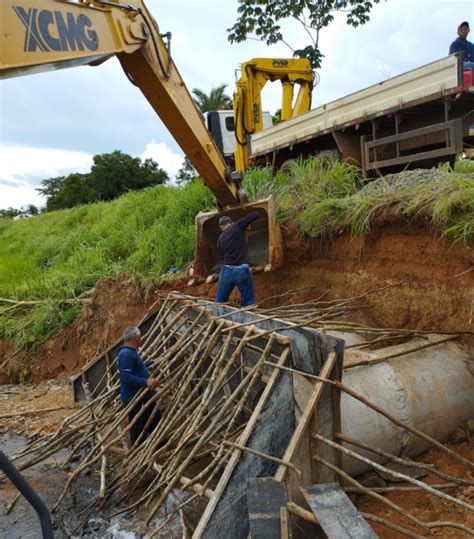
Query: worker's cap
224,220
130,333
464,23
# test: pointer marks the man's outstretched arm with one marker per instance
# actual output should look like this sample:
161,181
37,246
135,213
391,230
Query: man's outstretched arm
250,218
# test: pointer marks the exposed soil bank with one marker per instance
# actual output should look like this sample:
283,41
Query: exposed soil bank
436,285
435,279
435,291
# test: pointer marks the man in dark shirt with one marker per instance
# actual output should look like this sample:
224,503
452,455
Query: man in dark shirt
461,44
134,376
235,272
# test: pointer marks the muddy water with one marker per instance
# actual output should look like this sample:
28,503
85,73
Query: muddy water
48,480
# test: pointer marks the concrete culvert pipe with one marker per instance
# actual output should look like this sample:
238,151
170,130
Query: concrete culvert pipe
431,389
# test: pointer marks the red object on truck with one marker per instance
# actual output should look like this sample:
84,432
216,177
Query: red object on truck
468,76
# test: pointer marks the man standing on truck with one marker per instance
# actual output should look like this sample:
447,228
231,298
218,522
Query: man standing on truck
232,245
134,376
461,44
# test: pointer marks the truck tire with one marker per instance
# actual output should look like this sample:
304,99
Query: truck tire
331,156
286,166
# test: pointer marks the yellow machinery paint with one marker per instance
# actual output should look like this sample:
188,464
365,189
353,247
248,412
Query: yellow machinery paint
45,35
247,97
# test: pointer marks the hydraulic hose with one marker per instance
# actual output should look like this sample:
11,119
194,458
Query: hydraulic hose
25,489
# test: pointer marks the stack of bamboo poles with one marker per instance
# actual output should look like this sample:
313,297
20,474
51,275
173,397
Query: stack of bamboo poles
205,396
335,316
205,390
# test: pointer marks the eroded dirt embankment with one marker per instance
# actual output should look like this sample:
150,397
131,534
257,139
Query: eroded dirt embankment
431,287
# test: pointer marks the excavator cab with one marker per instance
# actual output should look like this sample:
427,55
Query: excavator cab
264,239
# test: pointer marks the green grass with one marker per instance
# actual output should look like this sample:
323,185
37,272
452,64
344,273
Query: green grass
329,197
60,255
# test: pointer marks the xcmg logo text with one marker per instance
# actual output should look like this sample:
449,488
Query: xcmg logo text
56,31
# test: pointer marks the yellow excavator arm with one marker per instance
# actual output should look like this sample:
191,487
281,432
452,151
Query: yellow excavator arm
43,35
247,97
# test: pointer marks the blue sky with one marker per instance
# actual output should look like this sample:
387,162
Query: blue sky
51,124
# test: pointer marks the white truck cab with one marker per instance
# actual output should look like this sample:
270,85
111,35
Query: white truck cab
220,124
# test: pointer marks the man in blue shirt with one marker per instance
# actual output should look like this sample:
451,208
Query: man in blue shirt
134,376
461,44
233,247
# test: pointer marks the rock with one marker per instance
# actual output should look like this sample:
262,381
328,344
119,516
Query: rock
458,436
468,494
372,480
415,473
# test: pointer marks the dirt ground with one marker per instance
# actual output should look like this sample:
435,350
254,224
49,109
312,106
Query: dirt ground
32,410
432,288
424,506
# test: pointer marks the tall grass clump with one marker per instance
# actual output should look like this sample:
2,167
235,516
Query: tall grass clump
307,183
61,255
464,165
329,197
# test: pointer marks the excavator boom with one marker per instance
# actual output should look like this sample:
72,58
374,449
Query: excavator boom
44,35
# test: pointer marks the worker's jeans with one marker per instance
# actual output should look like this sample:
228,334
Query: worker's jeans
235,276
141,423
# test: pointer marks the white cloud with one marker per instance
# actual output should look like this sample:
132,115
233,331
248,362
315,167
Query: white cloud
28,166
21,195
164,156
23,168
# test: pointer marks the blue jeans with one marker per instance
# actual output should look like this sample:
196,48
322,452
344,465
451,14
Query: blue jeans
235,276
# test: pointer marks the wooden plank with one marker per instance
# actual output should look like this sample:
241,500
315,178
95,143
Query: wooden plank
327,421
299,449
336,514
301,429
243,439
284,530
265,497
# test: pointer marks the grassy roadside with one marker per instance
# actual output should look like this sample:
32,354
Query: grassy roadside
60,255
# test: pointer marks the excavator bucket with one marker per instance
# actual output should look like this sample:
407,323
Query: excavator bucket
264,239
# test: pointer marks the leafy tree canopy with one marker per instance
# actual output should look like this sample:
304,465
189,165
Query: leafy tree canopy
217,99
187,173
111,175
260,19
276,118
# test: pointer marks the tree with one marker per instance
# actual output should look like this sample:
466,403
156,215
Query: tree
32,209
10,212
216,100
187,173
111,175
261,18
276,118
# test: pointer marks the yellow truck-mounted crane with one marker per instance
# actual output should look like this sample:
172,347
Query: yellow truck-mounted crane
255,74
44,35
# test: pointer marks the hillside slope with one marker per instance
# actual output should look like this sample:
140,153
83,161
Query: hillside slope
414,230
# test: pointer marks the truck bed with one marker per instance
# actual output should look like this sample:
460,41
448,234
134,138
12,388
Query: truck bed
432,81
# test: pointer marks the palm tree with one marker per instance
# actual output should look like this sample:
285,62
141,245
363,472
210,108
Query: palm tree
216,100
